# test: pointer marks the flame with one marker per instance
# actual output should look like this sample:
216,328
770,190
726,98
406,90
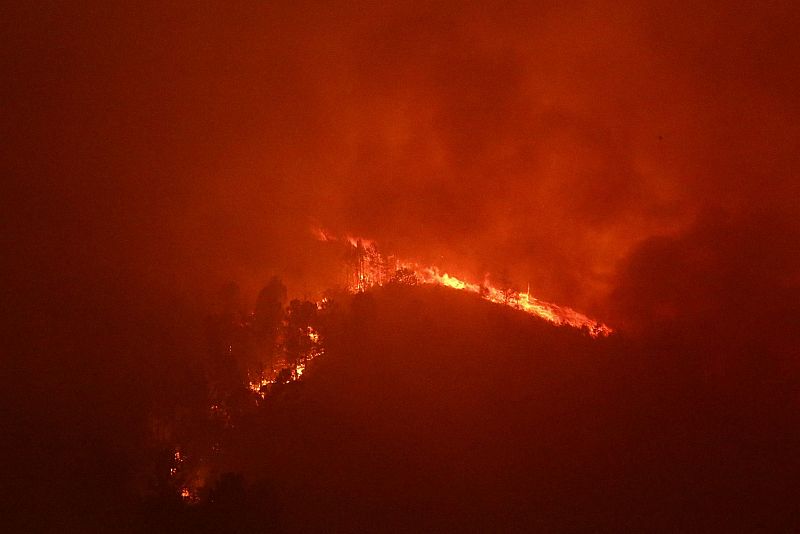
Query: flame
264,382
371,269
257,385
189,495
526,302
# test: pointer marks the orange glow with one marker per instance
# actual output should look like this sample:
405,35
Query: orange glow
526,302
371,268
262,384
259,386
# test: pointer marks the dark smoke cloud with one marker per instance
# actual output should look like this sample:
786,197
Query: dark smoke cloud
729,284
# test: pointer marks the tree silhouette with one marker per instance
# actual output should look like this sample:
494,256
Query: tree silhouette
269,312
301,315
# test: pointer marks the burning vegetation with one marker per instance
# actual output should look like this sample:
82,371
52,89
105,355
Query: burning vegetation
370,268
259,355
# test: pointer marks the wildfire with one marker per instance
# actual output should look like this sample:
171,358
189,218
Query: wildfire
285,372
371,269
189,495
558,315
256,386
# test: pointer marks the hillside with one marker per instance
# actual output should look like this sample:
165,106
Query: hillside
436,410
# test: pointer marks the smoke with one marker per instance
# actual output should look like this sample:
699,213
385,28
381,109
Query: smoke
538,142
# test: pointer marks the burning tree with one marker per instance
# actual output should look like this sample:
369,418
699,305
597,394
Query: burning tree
367,267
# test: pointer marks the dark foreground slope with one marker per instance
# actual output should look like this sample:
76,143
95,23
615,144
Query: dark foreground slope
433,410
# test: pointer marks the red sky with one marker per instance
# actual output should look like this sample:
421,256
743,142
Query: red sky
540,142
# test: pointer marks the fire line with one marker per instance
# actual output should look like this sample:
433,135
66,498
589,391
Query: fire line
371,268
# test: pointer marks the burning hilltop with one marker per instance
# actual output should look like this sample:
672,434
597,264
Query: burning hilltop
268,350
423,394
368,268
